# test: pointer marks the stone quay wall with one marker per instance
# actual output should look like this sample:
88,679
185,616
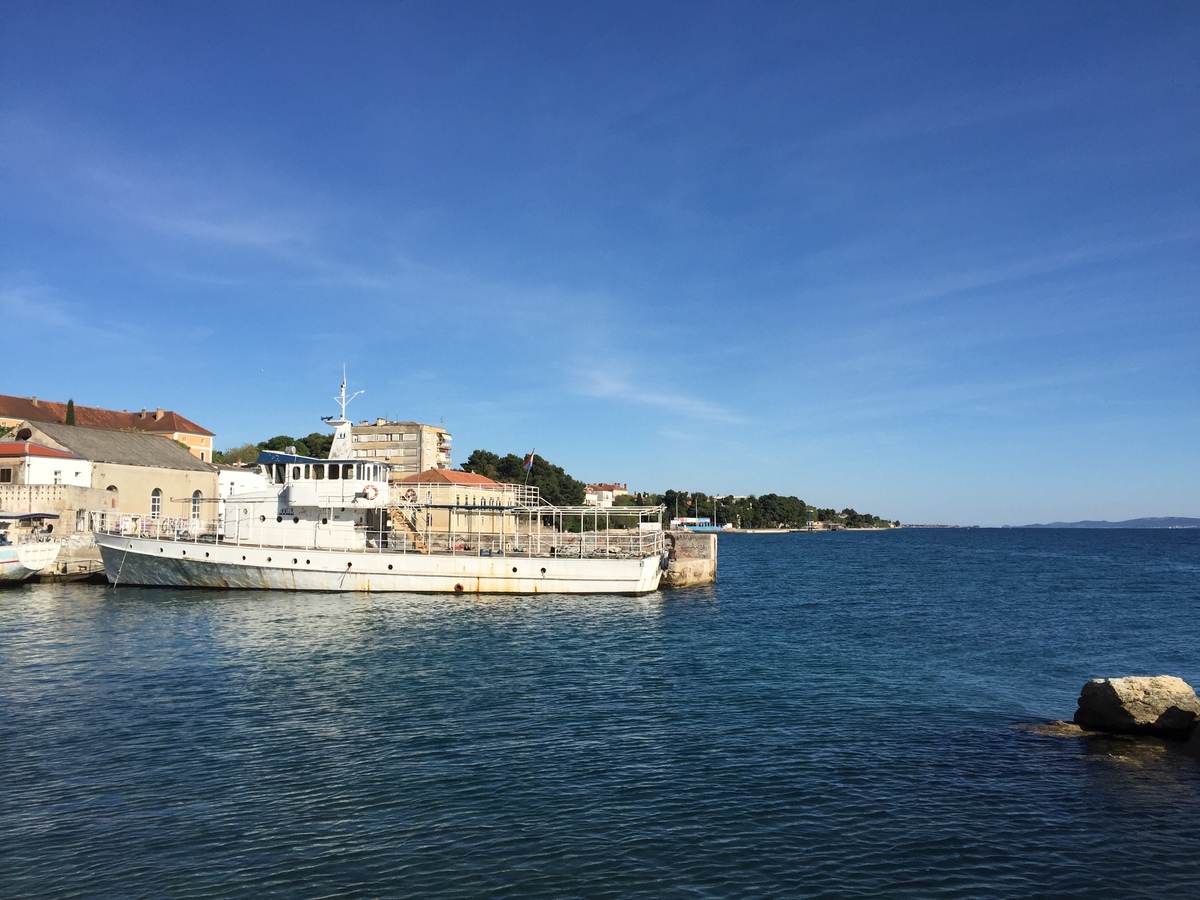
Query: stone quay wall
692,559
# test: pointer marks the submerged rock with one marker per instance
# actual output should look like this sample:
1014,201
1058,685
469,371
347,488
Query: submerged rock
1164,706
1057,728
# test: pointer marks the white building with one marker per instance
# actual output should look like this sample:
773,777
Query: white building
603,495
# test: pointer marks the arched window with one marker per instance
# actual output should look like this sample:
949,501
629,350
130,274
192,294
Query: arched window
116,495
155,503
196,495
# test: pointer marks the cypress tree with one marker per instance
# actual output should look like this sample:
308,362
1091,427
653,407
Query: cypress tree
70,412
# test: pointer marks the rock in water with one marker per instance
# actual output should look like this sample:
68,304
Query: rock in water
1165,706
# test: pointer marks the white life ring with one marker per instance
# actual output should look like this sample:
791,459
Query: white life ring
370,492
410,495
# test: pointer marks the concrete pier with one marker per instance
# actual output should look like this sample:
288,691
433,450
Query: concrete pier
692,559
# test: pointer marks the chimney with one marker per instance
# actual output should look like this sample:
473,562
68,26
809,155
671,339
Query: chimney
143,415
34,399
158,414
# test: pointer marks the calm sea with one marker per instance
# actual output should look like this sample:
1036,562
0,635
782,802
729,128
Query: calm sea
838,716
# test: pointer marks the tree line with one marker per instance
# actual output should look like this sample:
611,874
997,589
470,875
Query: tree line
560,489
315,445
765,511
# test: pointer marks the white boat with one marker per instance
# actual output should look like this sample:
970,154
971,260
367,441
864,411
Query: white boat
337,524
26,545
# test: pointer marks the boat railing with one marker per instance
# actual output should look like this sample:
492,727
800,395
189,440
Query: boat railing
14,538
440,494
535,534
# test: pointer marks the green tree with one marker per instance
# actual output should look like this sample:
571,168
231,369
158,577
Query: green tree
241,455
556,486
70,412
317,444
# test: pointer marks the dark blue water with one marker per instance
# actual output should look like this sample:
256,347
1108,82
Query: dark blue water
834,718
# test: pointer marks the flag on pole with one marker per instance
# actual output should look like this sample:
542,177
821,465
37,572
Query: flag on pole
528,464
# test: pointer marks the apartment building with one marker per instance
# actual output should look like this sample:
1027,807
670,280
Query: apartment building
408,447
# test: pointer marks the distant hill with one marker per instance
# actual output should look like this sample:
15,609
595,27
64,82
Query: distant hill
1162,522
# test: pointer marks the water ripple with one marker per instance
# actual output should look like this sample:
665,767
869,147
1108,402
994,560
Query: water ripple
832,720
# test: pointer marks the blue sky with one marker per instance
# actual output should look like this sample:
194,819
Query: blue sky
936,261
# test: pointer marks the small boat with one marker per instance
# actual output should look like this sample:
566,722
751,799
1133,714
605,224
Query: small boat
27,547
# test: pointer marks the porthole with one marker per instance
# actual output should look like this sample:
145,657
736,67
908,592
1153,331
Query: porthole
243,559
295,561
160,549
458,589
389,567
206,555
543,571
279,518
308,562
514,570
324,521
296,519
262,518
183,553
349,564
268,559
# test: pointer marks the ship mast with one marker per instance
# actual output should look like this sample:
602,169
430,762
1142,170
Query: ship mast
342,400
340,449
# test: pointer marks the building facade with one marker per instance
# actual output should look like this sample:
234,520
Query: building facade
126,473
408,447
603,495
159,422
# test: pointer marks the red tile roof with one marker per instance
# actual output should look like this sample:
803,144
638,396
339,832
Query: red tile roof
449,476
26,448
158,421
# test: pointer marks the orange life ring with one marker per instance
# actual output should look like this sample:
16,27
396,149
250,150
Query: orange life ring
410,495
370,492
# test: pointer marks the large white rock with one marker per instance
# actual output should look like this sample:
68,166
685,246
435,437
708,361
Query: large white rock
1163,705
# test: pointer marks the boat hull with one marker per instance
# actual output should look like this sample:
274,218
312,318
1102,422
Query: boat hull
164,563
25,561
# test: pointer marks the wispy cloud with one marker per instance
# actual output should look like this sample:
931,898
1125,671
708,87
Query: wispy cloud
29,306
604,384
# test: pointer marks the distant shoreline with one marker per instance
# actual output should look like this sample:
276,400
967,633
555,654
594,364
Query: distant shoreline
803,530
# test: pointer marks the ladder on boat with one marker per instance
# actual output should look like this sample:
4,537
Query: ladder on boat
401,522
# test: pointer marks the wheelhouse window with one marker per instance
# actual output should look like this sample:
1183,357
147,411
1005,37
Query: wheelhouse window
155,503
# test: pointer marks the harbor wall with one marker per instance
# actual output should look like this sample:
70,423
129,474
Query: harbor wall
691,560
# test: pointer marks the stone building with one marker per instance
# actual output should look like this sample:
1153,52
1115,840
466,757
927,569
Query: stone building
74,470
